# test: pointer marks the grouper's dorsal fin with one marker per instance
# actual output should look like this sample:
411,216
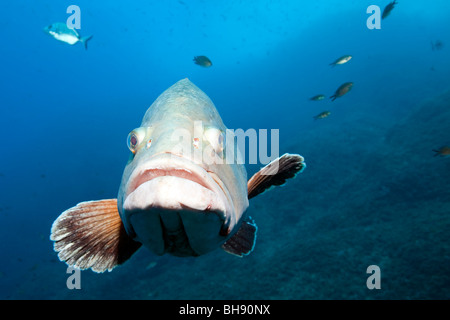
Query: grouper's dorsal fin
92,235
243,241
275,173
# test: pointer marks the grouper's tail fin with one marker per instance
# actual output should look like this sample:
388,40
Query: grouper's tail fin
85,40
92,235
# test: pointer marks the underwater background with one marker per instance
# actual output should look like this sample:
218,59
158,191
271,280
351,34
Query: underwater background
373,192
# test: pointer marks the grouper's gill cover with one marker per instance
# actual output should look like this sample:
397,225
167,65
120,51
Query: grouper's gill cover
173,198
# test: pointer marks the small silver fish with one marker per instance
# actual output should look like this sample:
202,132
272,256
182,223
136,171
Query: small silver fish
341,60
318,97
322,115
60,31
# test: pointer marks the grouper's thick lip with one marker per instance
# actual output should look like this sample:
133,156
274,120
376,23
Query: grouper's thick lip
168,164
152,173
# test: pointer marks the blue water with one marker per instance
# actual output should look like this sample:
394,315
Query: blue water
373,192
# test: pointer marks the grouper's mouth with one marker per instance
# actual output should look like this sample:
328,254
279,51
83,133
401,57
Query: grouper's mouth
174,205
181,173
180,168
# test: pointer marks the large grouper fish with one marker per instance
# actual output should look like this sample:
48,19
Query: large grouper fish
169,200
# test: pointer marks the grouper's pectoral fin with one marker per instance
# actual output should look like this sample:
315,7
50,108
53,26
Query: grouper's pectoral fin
275,173
243,241
92,235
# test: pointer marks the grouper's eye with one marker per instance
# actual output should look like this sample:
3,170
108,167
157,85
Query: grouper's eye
135,138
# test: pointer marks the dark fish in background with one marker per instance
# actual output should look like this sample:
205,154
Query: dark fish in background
203,61
342,90
319,97
341,60
387,10
322,115
437,45
443,152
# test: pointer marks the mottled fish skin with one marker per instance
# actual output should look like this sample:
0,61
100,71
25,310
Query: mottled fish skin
215,193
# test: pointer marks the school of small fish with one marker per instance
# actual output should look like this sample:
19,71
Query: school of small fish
345,88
